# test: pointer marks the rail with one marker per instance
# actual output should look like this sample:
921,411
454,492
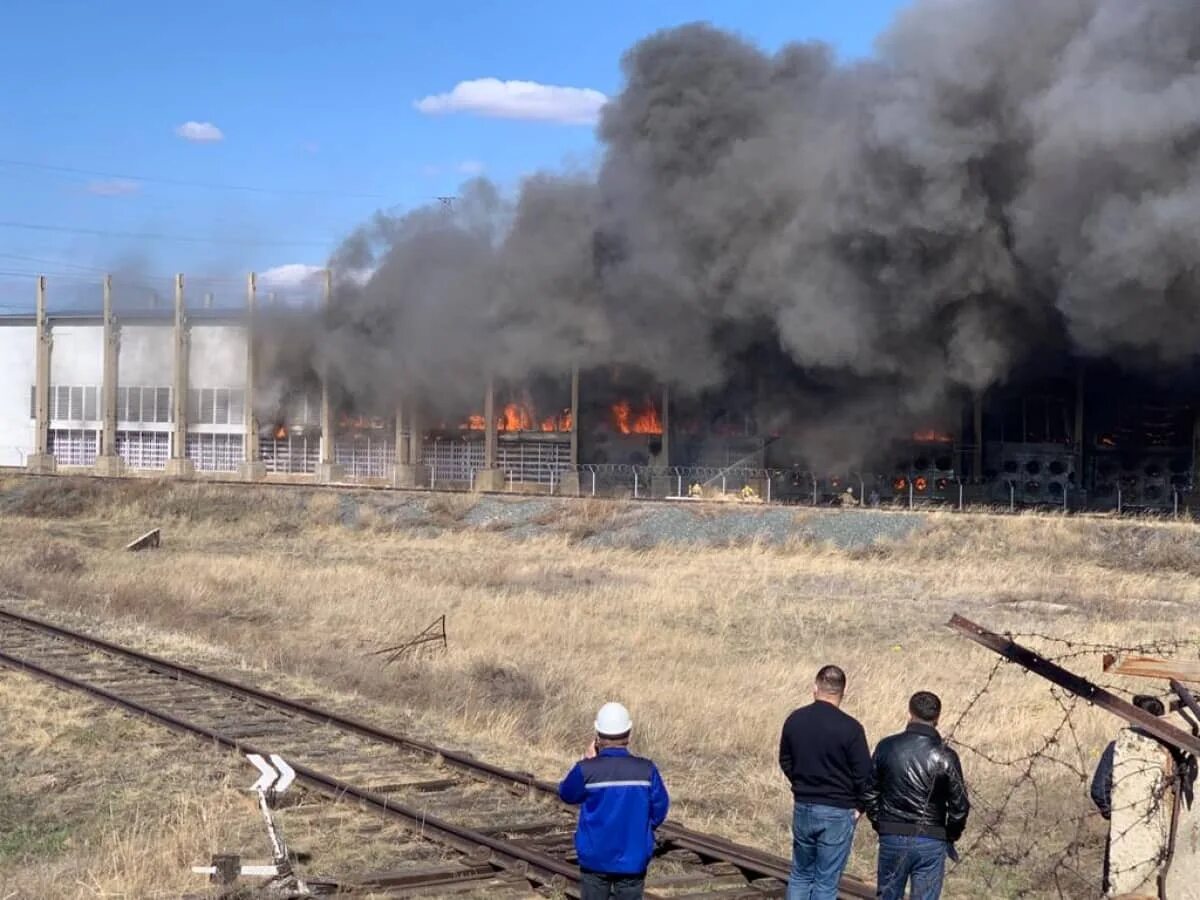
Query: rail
540,867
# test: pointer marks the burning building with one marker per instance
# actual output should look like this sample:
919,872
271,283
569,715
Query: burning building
966,264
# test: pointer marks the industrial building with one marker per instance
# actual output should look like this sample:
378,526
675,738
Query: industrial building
177,390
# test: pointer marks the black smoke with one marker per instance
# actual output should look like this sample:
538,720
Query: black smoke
1003,181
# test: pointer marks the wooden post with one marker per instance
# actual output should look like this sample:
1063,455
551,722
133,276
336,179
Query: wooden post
41,461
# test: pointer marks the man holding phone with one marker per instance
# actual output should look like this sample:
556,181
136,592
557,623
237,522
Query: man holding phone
623,801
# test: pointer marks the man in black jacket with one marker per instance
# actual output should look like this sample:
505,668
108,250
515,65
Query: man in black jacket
918,804
823,752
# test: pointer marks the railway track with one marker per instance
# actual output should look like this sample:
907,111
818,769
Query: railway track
464,826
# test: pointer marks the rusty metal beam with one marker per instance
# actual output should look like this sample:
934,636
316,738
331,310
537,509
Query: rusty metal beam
1076,684
1153,667
1187,699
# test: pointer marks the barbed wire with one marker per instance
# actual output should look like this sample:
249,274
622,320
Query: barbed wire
1034,831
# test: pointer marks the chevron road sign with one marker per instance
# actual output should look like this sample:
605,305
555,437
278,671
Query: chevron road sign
275,775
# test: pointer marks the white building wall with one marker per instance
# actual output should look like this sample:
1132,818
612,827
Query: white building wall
147,355
17,374
77,354
218,356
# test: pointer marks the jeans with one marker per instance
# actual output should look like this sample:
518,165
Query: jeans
821,839
597,886
923,859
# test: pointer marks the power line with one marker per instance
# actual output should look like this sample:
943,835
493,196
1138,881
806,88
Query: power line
53,262
178,182
151,236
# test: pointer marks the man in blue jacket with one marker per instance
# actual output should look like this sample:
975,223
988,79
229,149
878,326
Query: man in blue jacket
624,800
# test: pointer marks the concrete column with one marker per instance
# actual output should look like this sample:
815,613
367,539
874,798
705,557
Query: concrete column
401,441
108,462
575,415
179,466
977,456
664,458
328,471
489,478
569,483
1079,448
252,468
40,462
408,472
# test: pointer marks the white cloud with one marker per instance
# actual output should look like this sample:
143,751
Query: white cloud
470,167
517,100
290,275
113,187
200,132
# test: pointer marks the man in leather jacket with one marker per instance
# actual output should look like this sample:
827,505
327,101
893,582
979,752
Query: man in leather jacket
917,803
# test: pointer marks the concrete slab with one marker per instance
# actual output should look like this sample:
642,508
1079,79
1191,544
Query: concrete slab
328,473
252,471
490,481
109,466
181,468
41,464
404,476
569,484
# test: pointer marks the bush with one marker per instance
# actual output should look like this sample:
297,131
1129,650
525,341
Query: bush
55,559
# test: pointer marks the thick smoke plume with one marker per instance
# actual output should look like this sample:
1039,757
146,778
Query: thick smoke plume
1004,180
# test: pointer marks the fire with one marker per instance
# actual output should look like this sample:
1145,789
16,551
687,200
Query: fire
932,436
520,416
920,483
280,432
560,422
627,420
517,417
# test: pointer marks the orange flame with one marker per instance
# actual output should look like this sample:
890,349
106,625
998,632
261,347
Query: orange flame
517,417
280,432
627,420
932,436
520,416
560,422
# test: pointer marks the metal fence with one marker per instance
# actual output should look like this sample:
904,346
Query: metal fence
294,455
365,457
74,446
215,452
144,449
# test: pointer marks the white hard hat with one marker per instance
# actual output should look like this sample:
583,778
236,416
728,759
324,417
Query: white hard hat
613,720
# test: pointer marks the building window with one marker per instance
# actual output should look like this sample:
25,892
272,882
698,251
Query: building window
216,406
144,404
144,449
74,446
215,452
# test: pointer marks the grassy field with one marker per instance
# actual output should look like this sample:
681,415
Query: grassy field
709,646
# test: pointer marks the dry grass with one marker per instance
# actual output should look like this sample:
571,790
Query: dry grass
710,648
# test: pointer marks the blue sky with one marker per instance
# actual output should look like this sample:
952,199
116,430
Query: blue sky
314,107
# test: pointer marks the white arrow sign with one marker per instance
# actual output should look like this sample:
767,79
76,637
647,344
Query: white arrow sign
275,774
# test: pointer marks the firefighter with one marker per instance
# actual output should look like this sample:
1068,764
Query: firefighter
848,498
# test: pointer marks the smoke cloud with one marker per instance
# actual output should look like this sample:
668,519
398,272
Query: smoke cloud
1004,180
